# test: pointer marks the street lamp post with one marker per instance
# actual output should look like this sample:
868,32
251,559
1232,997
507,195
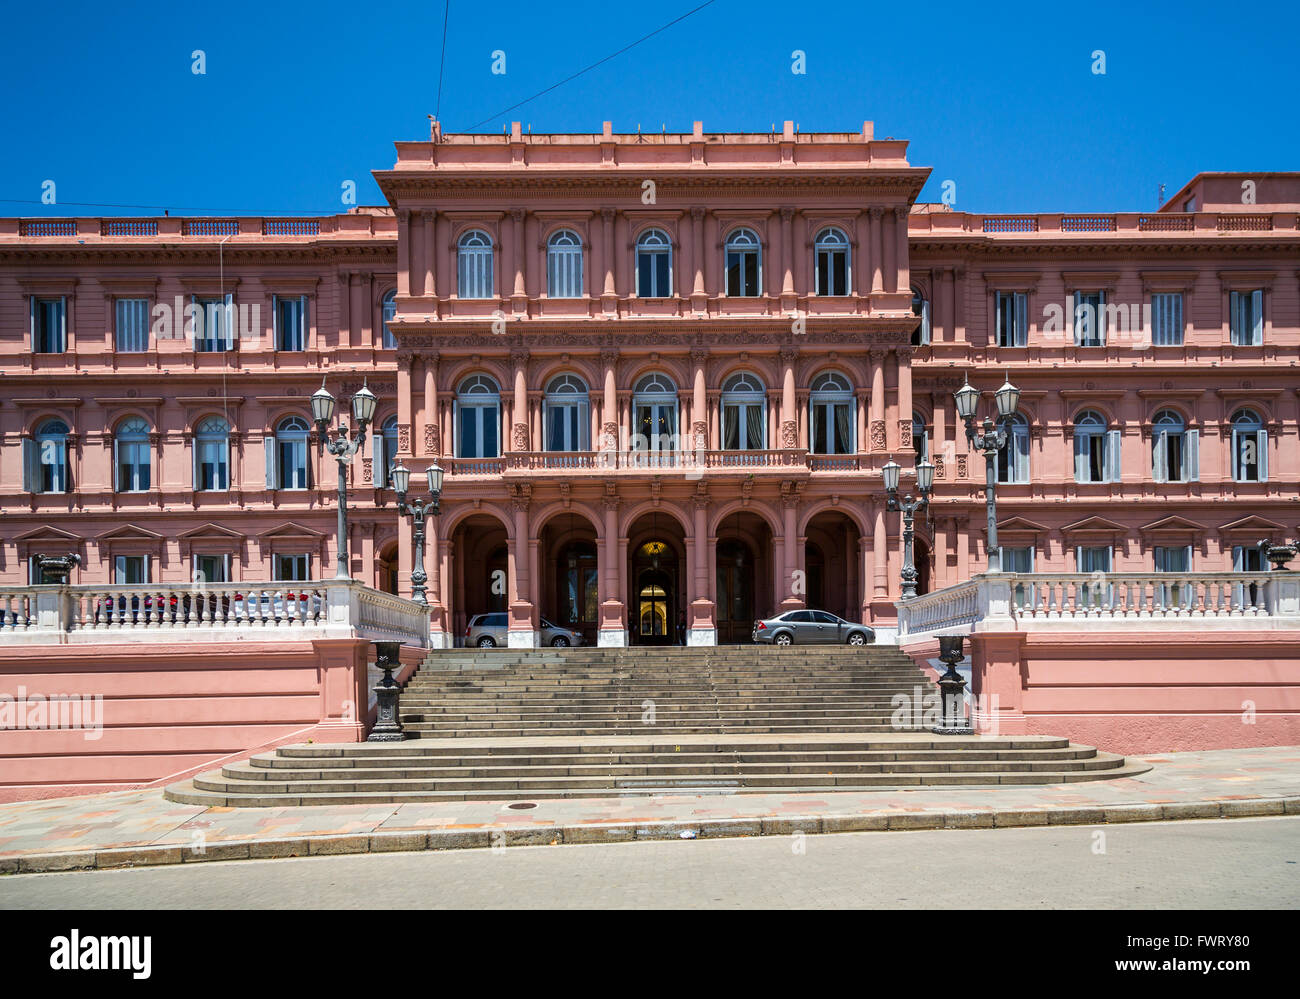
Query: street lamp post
989,440
417,511
908,505
341,450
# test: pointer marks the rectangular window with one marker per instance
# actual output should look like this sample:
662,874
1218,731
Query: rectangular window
132,466
1094,560
129,570
1013,460
131,325
1248,558
1173,559
1013,319
210,324
832,272
49,325
292,568
1097,456
1246,317
742,273
1249,455
1090,318
212,568
1167,319
293,462
478,431
653,275
832,428
291,323
210,466
1019,559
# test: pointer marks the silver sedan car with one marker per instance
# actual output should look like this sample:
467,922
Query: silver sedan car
811,627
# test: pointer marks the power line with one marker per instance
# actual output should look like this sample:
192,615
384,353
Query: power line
529,100
442,63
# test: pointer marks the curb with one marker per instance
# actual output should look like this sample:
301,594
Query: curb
407,841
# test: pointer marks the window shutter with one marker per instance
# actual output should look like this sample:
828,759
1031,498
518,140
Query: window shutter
31,306
1081,443
118,484
1159,451
305,324
225,479
272,463
380,462
1257,316
1101,318
1114,470
1192,456
31,467
195,448
1022,320
119,569
925,320
1022,456
1261,453
276,338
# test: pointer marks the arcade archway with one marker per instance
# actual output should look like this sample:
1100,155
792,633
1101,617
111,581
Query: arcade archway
832,565
656,581
570,591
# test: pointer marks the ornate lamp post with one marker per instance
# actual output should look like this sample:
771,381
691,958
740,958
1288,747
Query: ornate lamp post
990,440
342,450
909,506
417,511
388,722
951,685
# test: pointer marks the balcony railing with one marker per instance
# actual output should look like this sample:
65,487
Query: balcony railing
604,462
93,613
1159,600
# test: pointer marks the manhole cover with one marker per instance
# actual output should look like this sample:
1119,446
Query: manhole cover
522,805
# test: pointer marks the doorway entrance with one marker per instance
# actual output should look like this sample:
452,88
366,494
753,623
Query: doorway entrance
735,610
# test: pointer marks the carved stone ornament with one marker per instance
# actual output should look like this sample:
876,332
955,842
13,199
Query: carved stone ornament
877,435
789,434
521,437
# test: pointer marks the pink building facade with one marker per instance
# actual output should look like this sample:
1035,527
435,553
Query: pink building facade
662,374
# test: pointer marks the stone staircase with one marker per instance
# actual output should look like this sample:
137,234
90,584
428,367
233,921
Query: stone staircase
518,725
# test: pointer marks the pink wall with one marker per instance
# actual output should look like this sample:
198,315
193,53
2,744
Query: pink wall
168,710
1143,692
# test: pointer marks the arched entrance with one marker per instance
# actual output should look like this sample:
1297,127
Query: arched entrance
832,565
480,570
387,568
570,574
743,576
656,579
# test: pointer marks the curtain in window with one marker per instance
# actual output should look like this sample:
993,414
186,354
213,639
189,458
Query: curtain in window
730,427
754,427
843,435
1082,457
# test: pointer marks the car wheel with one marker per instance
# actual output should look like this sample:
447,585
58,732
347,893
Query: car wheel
857,638
486,642
559,642
785,638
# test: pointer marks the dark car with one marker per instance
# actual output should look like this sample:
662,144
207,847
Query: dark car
811,627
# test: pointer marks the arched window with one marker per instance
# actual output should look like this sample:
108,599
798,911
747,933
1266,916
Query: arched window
564,265
287,455
832,266
832,410
390,310
1013,460
921,307
131,456
744,413
45,459
478,418
654,414
474,265
920,440
212,455
1249,447
654,264
566,414
744,264
1175,450
1096,449
385,453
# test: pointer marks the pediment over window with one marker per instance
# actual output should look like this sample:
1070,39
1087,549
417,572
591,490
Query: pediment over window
1094,526
211,532
1257,528
1174,526
128,532
290,532
48,533
1020,528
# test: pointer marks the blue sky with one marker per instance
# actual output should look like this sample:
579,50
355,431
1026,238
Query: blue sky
298,98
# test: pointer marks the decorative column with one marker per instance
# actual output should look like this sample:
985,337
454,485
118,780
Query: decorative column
902,263
523,633
699,403
703,628
877,426
789,424
903,358
877,274
430,251
608,297
880,553
519,440
432,427
613,627
405,402
519,295
787,260
609,406
789,545
403,252
345,308
699,299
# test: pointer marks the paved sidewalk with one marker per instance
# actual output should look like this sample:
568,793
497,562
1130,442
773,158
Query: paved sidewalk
138,828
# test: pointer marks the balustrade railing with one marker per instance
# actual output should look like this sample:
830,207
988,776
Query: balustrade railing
149,612
647,460
1029,600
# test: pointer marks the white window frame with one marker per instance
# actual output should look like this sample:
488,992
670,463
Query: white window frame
1011,312
653,244
564,265
289,441
478,405
741,392
1189,467
923,331
209,312
654,402
568,396
829,390
55,340
195,571
211,447
831,242
1013,459
130,473
1090,436
1096,330
388,309
1248,434
1167,319
131,325
1246,318
45,455
743,243
292,308
474,265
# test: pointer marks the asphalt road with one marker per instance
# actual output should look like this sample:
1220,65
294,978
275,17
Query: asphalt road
1237,863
